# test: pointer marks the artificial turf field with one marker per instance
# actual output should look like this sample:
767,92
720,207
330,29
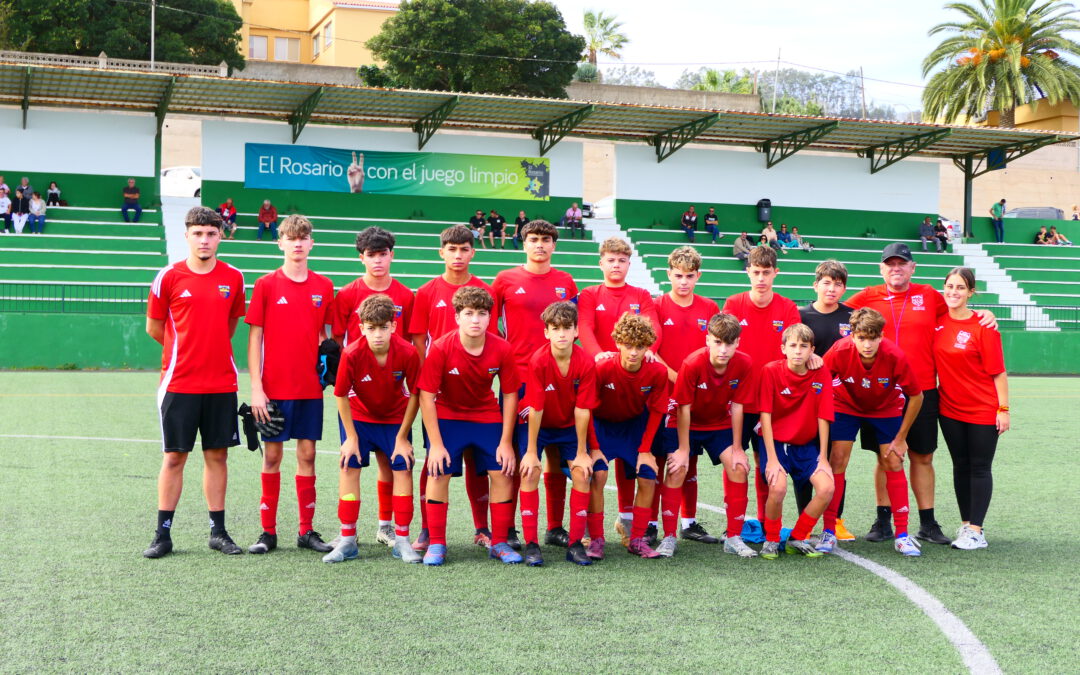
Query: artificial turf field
78,596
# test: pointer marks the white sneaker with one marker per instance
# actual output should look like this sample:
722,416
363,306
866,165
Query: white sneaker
667,546
737,546
826,543
970,541
344,550
403,550
907,546
385,535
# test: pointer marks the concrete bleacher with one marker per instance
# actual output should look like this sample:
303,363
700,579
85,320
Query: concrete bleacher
1050,275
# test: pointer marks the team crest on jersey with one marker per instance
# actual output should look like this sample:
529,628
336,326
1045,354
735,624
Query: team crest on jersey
702,324
224,290
577,381
561,292
397,311
493,371
917,302
962,339
865,383
734,384
816,386
635,308
316,300
778,325
398,374
884,382
646,390
845,329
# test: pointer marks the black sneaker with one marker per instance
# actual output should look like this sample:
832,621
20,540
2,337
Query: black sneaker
933,534
652,537
696,532
224,543
267,542
880,531
533,557
159,548
576,554
313,540
557,536
512,539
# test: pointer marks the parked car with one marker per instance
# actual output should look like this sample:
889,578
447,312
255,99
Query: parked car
181,181
604,208
586,210
1040,212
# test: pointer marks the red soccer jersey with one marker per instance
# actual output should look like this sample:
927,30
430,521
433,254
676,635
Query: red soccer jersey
433,312
762,328
522,297
709,394
292,315
624,395
600,307
684,328
874,391
910,319
796,402
462,382
347,323
556,394
378,394
968,356
197,357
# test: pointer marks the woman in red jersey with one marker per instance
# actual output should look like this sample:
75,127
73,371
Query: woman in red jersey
974,408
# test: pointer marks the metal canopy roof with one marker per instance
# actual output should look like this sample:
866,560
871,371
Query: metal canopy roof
548,120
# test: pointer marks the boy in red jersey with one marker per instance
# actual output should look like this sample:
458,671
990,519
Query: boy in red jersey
869,375
376,388
461,412
633,400
522,293
192,310
712,386
561,392
289,313
795,405
684,318
432,317
376,248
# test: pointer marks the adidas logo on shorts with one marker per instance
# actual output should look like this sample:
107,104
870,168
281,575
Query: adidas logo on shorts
366,378
440,303
669,322
282,301
453,371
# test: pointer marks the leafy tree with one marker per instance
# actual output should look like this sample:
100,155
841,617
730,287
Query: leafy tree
587,72
789,106
711,79
374,76
632,76
835,95
495,46
194,31
602,35
1001,54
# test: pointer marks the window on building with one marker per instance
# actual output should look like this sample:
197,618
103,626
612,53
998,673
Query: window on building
257,47
329,32
316,44
286,49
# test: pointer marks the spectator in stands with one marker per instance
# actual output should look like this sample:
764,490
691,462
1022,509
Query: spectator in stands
689,223
1058,238
52,197
228,217
803,244
573,219
942,234
131,201
1042,236
498,229
5,208
4,185
519,223
763,241
27,189
741,248
268,216
926,234
785,239
37,214
1075,210
771,237
712,224
477,224
997,214
20,210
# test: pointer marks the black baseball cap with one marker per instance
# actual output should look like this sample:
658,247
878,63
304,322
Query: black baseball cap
896,250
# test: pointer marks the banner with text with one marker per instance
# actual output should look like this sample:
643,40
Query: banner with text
440,174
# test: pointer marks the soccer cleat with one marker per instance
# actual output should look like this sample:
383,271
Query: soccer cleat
842,533
695,532
513,540
622,526
313,540
970,541
344,550
421,543
596,549
504,553
907,546
435,555
482,537
533,556
933,534
880,531
652,536
737,546
576,554
159,547
224,543
827,543
770,550
557,536
267,542
793,546
385,535
667,546
640,547
403,551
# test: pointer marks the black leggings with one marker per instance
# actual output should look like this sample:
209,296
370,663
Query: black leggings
972,447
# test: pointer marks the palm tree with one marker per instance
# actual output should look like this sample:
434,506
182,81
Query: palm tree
1002,54
602,35
728,81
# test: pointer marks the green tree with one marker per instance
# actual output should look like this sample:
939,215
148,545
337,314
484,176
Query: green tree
602,35
494,46
633,76
711,79
1001,54
192,31
587,72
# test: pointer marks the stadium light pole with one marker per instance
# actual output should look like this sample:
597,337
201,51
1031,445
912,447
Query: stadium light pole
153,8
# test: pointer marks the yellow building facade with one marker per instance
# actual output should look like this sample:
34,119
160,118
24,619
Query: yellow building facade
1041,115
319,32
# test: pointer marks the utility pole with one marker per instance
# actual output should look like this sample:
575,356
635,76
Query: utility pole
776,81
153,8
862,80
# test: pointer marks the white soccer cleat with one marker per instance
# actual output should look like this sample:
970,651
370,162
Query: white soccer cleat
737,546
385,535
344,550
667,546
404,551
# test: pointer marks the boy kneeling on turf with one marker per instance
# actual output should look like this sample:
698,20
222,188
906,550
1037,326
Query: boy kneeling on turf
871,377
381,372
712,385
461,412
560,393
796,406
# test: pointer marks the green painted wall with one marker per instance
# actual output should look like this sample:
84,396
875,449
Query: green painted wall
81,189
1022,230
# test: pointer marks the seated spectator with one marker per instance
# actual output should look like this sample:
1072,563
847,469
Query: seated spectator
5,209
802,243
771,237
712,224
689,223
926,234
1075,210
573,219
268,219
1058,238
4,185
942,234
27,189
131,202
20,210
784,237
519,222
477,224
741,248
228,217
498,229
1042,236
37,214
52,197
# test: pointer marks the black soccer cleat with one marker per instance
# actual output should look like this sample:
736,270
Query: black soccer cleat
557,536
576,554
513,540
880,531
933,534
159,548
696,532
267,542
224,543
313,540
652,537
533,556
